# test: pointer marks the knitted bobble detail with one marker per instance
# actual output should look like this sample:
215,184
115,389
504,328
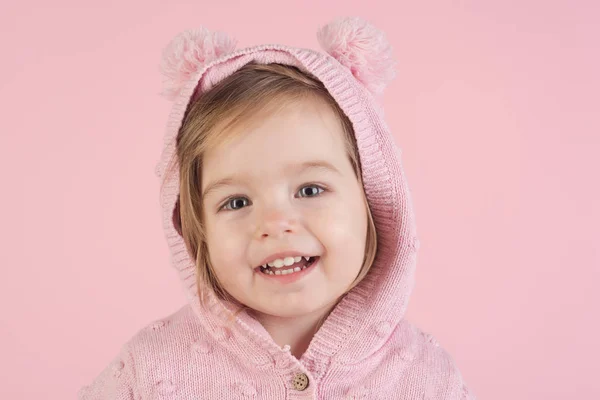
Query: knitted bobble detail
362,48
189,52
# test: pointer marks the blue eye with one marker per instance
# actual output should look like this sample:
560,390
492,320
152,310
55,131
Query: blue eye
235,200
315,189
236,203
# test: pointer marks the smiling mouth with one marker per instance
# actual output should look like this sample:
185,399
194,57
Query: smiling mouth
296,267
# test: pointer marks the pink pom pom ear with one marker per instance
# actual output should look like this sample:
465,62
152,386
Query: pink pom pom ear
187,53
362,48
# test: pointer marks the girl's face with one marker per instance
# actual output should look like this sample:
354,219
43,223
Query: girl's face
270,200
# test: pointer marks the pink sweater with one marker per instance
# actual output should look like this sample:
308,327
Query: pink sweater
366,349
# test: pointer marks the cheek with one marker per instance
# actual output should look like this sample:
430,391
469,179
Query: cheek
343,227
225,247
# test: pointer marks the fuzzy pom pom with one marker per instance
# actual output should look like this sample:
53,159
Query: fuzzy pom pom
362,48
187,53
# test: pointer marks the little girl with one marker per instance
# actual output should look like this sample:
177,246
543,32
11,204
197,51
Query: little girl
289,221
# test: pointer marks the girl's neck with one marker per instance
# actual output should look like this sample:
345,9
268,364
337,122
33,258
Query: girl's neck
297,332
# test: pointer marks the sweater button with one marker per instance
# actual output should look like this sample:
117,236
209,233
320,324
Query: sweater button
300,381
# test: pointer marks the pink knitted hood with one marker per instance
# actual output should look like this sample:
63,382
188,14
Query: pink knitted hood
355,68
197,60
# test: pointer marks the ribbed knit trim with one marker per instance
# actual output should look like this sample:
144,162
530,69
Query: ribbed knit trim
383,295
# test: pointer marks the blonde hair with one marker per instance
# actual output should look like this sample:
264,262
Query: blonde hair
211,119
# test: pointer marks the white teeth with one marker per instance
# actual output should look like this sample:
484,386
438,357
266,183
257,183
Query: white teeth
288,261
284,271
284,262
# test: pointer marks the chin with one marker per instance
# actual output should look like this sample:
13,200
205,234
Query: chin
291,310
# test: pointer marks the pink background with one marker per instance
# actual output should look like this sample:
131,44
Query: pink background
496,107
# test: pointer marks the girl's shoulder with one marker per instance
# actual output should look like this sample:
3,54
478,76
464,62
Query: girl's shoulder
414,344
169,355
425,356
178,353
167,334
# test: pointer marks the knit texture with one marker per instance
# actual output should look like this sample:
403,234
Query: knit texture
365,348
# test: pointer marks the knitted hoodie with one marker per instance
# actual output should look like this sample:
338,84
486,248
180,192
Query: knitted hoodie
366,348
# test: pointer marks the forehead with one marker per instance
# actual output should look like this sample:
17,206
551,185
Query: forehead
300,131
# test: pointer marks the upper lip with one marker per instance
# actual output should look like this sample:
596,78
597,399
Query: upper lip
282,255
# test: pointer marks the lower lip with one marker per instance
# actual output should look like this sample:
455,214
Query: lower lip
289,278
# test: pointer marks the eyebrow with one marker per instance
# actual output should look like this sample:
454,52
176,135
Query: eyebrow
293,167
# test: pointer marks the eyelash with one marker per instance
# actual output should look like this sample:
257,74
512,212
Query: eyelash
222,208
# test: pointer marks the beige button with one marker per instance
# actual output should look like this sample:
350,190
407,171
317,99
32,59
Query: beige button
300,381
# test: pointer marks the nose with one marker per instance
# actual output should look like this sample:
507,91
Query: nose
275,223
